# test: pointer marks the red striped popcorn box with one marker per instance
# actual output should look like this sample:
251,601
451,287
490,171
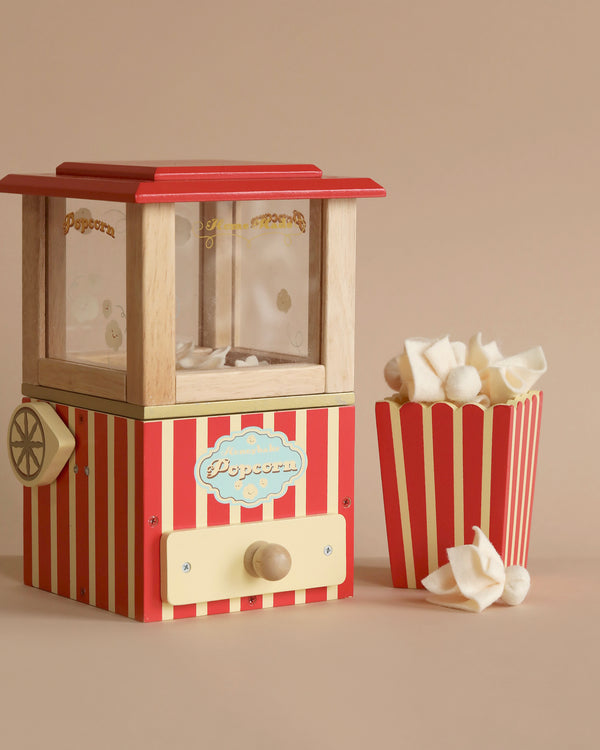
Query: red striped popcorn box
445,469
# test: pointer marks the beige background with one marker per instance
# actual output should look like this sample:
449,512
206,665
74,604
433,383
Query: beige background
482,120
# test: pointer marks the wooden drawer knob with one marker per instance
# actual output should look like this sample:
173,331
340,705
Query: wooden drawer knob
266,560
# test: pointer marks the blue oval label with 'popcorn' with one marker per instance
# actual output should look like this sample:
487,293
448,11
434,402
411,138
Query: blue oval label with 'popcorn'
250,467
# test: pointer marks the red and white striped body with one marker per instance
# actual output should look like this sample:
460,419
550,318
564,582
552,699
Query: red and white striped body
446,469
94,534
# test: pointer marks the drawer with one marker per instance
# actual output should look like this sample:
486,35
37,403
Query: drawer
201,565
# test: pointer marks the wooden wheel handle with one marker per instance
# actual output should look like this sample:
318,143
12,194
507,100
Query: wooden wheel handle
39,443
266,560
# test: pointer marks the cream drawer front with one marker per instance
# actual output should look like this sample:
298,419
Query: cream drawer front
203,565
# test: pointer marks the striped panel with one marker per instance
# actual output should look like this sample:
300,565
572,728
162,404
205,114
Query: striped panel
394,495
121,516
28,545
285,507
502,432
442,432
167,506
472,445
80,529
327,436
27,537
94,534
535,438
300,492
250,515
446,469
184,489
345,505
91,447
149,497
411,424
80,483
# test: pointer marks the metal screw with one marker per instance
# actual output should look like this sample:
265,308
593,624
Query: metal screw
186,567
347,502
75,469
153,521
251,601
87,471
327,550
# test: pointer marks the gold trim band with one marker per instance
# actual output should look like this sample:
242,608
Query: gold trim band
181,411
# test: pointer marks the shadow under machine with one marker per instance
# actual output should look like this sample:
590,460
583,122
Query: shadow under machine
186,437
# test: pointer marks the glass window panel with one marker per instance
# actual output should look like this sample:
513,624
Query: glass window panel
271,270
248,282
87,284
187,292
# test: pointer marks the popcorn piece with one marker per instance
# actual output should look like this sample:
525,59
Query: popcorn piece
203,361
460,352
425,385
516,585
250,361
481,355
404,369
440,356
515,375
463,384
391,373
475,577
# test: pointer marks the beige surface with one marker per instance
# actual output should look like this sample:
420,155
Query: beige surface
382,670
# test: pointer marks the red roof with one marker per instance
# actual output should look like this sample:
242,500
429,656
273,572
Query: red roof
173,182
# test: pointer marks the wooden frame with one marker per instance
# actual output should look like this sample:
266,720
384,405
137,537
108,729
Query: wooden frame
151,303
56,279
151,378
217,281
249,382
89,379
317,250
33,286
339,275
52,367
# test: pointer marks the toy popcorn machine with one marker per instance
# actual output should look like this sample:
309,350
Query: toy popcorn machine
186,437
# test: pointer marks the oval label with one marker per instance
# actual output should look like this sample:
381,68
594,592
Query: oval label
250,467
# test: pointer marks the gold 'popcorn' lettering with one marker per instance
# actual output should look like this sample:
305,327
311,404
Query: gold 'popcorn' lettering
85,225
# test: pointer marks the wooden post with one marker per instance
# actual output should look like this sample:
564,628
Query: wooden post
56,279
339,273
151,304
217,288
33,285
314,281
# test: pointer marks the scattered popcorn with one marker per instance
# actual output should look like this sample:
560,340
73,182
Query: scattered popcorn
476,577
